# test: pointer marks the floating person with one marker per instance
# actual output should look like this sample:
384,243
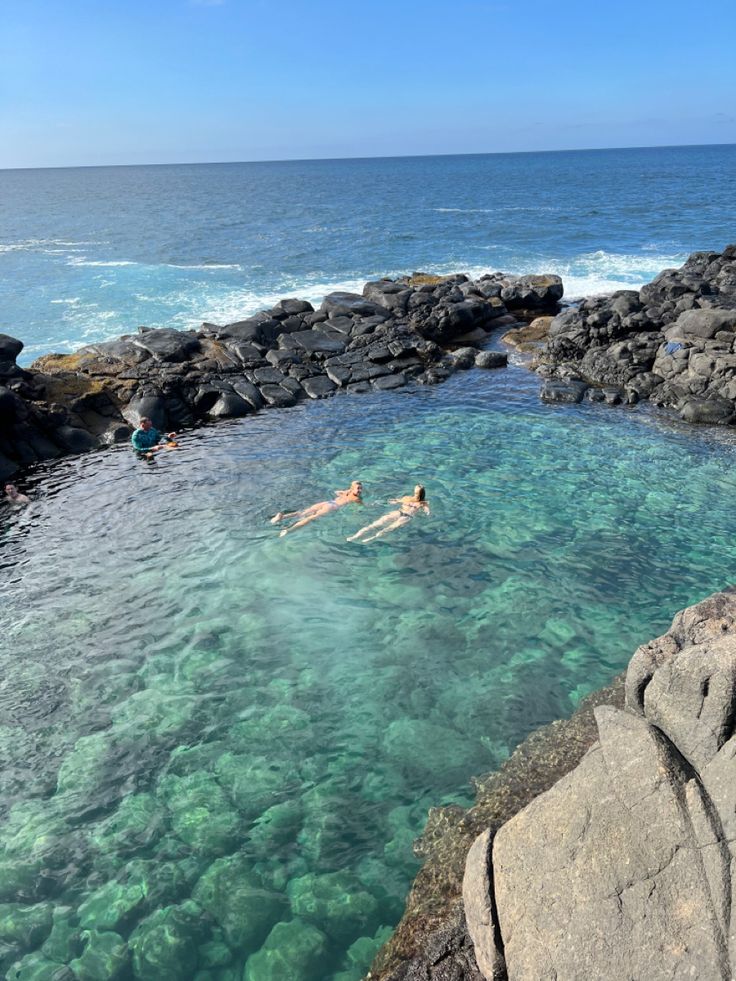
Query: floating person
411,505
146,439
13,496
353,495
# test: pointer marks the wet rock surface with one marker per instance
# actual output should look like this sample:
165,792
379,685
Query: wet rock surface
620,868
397,333
672,342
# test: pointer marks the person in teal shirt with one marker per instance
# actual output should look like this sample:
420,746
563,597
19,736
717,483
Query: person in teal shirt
147,439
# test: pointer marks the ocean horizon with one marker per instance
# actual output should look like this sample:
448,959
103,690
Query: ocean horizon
389,156
90,253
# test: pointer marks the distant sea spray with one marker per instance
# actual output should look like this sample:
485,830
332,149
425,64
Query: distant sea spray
122,247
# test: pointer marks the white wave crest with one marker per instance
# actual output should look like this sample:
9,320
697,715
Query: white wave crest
42,244
100,262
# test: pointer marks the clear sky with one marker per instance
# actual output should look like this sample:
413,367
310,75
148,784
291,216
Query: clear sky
157,81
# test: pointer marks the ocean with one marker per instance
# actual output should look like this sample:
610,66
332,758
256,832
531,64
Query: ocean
91,253
218,746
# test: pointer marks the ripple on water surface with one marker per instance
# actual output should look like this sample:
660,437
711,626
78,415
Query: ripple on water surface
217,746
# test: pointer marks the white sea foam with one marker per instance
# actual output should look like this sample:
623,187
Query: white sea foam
204,265
100,262
588,274
42,244
71,301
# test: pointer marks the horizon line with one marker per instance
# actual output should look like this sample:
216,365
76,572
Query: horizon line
394,156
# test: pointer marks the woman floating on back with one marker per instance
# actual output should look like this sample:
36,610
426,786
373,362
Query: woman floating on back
353,495
411,505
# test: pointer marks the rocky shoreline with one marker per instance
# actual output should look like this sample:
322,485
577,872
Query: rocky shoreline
395,333
604,847
673,343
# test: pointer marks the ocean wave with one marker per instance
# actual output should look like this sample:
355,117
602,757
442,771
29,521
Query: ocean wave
42,244
488,211
101,262
203,265
111,263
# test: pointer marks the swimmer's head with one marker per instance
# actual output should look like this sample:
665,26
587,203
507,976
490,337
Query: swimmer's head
356,487
11,489
419,493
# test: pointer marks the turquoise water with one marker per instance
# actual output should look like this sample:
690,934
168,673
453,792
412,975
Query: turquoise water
217,745
90,253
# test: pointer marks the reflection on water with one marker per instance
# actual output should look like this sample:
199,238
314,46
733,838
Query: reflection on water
217,746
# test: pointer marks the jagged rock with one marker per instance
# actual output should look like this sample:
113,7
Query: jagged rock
533,292
623,868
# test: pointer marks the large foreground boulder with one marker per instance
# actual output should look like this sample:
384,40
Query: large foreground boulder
623,869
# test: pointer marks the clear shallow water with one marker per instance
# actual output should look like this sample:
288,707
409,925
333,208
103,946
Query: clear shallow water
91,253
208,731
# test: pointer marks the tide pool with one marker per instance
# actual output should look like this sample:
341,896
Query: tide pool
217,745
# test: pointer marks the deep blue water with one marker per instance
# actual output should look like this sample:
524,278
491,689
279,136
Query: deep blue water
89,253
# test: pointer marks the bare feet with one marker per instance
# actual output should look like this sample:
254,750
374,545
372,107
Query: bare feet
277,517
352,538
284,532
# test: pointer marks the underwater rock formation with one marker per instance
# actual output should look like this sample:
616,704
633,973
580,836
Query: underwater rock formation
621,868
379,341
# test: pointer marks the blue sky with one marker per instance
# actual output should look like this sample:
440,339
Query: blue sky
128,81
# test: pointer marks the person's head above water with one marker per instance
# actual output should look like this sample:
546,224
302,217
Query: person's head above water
144,423
419,493
356,488
11,490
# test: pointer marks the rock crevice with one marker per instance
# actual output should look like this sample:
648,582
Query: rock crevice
623,867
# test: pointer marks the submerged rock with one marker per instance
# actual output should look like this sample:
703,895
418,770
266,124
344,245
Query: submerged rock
104,958
236,898
164,946
292,952
201,814
335,903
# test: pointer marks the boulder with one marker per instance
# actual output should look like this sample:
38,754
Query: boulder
152,406
76,440
291,307
316,342
168,345
703,323
351,305
387,382
713,411
464,358
10,348
230,405
530,337
491,359
533,292
277,397
563,390
319,387
623,867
